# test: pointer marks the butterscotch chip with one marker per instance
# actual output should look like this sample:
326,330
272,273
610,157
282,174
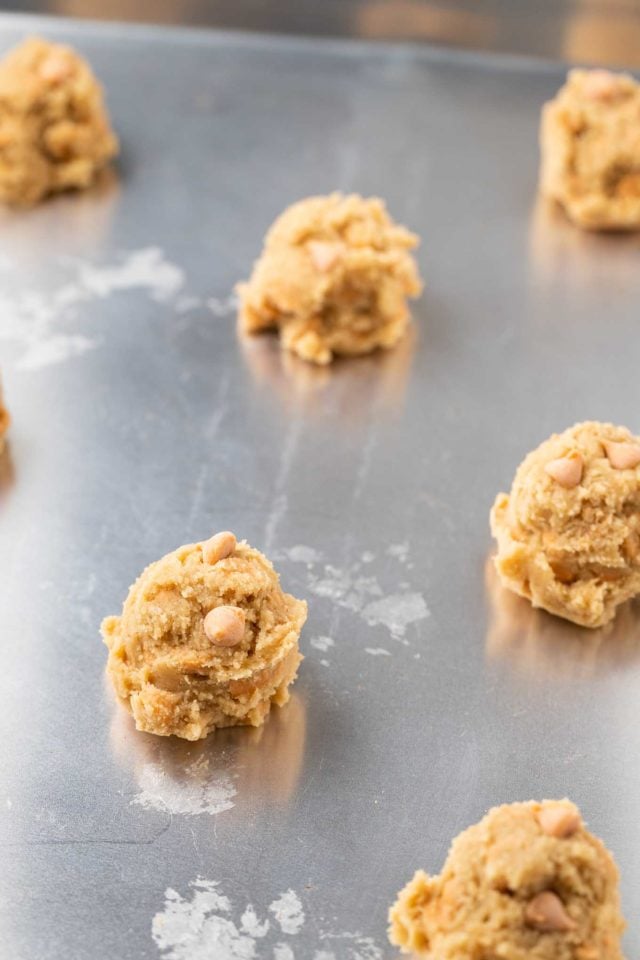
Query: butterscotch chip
325,255
224,625
559,819
602,85
590,142
509,890
622,455
546,913
218,547
204,645
566,470
56,68
568,532
334,278
54,129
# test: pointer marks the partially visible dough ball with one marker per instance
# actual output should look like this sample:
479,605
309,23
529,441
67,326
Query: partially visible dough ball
54,129
590,141
206,639
529,882
334,276
569,532
5,419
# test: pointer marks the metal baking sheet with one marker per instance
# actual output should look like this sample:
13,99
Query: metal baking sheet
142,422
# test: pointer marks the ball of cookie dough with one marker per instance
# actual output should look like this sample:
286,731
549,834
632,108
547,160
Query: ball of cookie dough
590,142
206,639
529,882
569,532
54,129
334,277
5,419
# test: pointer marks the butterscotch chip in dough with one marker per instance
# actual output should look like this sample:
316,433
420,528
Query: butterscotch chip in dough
512,890
334,277
569,532
590,143
202,645
54,129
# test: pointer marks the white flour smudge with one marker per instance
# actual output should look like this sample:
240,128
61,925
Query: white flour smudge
145,269
396,612
377,651
200,928
251,925
55,349
321,643
199,792
302,554
399,550
353,589
282,951
288,912
358,946
33,320
203,925
223,307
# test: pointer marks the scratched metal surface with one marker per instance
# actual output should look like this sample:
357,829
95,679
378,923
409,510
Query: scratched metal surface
164,428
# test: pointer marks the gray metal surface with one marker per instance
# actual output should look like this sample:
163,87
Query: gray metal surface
163,427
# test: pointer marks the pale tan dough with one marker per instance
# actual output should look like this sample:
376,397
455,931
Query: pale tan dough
573,550
334,277
54,129
590,142
529,882
5,419
167,671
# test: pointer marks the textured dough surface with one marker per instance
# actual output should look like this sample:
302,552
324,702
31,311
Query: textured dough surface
575,552
476,909
590,142
5,419
54,129
334,276
173,679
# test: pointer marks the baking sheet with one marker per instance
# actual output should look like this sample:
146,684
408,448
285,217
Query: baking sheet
141,422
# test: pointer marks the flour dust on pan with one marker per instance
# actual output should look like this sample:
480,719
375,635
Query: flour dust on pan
206,924
37,321
198,791
353,587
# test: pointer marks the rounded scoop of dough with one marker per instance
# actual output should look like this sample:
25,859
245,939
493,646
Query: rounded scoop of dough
169,669
54,128
529,880
590,144
569,532
334,276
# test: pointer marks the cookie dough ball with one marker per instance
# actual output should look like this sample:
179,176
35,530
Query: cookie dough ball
590,141
5,420
569,532
54,129
529,882
334,277
206,639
